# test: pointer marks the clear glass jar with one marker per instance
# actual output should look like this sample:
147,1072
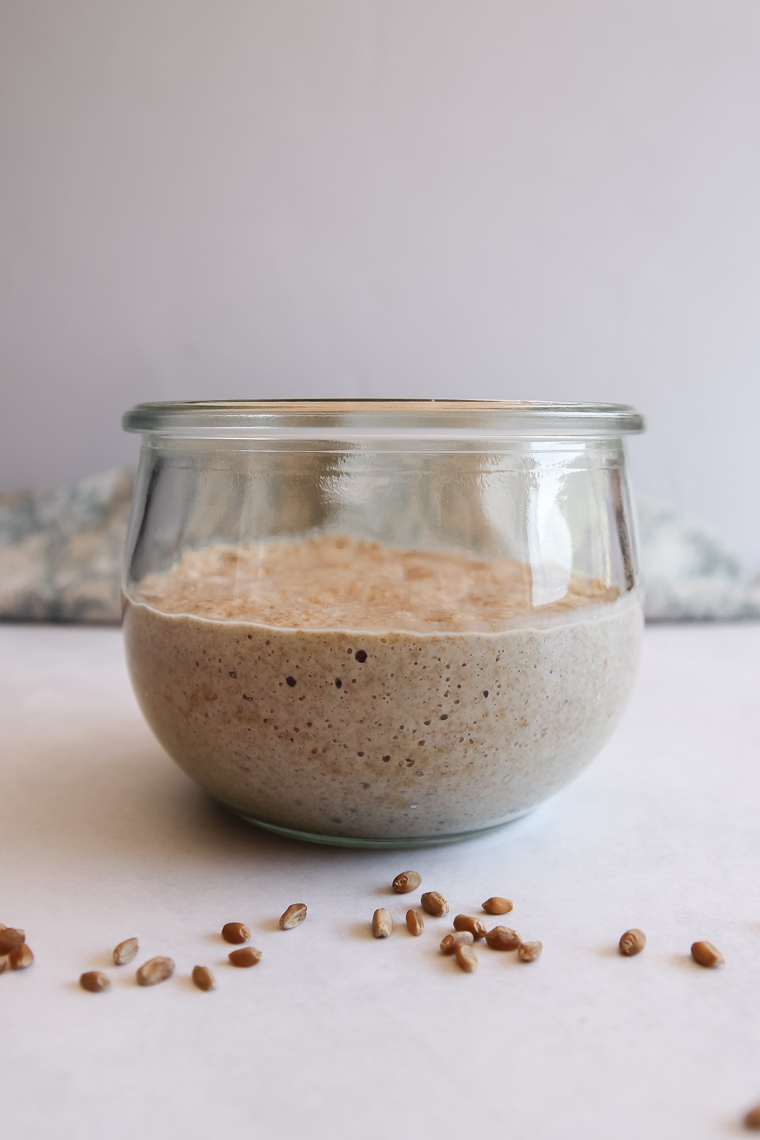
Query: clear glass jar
382,623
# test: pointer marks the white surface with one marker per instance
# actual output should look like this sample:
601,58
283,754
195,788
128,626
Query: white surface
335,1034
554,199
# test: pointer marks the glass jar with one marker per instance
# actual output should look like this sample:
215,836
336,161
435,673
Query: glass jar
382,623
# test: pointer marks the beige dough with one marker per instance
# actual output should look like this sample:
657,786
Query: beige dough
345,688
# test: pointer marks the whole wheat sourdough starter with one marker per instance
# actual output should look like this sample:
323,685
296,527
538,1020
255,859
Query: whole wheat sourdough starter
346,688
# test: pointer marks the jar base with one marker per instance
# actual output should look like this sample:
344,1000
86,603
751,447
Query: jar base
403,843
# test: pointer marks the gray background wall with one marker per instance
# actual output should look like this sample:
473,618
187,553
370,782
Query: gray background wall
551,199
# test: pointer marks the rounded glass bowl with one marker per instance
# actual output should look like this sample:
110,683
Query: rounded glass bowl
382,623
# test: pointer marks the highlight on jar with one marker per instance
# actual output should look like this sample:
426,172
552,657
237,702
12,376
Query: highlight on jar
382,623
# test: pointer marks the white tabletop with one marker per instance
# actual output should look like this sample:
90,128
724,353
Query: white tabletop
336,1034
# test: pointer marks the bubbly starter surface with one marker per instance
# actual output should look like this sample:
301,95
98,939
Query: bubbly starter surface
345,688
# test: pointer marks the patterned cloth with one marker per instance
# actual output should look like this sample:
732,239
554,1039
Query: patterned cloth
690,573
61,551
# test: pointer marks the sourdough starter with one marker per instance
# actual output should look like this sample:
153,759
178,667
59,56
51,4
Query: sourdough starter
344,688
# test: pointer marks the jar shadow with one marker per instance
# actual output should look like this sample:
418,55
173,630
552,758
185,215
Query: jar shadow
108,797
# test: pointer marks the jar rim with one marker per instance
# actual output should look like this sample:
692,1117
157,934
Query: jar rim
384,418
